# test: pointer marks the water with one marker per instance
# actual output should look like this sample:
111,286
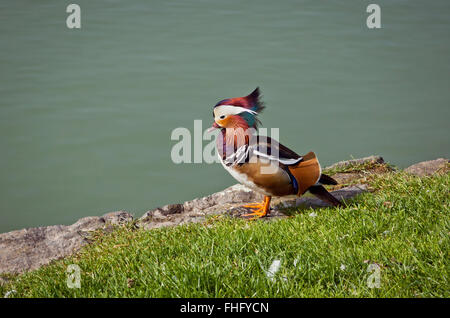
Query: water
86,115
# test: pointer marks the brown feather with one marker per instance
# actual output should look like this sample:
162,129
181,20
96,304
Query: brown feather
276,184
306,172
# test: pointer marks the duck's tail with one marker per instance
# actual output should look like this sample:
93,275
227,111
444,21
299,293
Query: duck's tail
324,179
319,191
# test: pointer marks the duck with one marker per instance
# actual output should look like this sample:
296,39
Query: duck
261,163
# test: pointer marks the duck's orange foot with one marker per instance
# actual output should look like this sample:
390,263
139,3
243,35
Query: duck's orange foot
259,209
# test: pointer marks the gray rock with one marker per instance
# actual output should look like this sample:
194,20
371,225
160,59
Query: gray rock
196,210
427,168
346,163
31,248
234,194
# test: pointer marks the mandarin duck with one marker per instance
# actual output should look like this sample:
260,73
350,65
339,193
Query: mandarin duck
261,163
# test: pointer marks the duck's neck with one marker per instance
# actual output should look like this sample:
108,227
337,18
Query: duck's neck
231,139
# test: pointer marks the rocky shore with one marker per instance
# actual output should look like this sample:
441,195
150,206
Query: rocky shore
28,249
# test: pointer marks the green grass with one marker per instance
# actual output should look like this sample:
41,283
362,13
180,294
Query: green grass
360,167
403,227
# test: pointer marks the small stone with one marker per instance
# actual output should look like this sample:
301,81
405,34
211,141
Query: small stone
118,217
172,209
427,168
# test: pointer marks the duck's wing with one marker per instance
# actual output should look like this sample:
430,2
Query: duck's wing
269,148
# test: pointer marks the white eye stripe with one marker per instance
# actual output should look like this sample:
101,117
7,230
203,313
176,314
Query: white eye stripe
225,110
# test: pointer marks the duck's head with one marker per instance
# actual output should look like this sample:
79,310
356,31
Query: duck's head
238,112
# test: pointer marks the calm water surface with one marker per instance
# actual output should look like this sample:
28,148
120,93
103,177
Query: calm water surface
86,115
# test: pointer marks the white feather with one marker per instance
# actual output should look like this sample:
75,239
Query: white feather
225,110
275,158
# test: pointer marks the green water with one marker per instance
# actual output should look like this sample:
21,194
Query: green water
86,115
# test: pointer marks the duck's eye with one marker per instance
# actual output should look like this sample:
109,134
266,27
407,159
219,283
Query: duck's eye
222,117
